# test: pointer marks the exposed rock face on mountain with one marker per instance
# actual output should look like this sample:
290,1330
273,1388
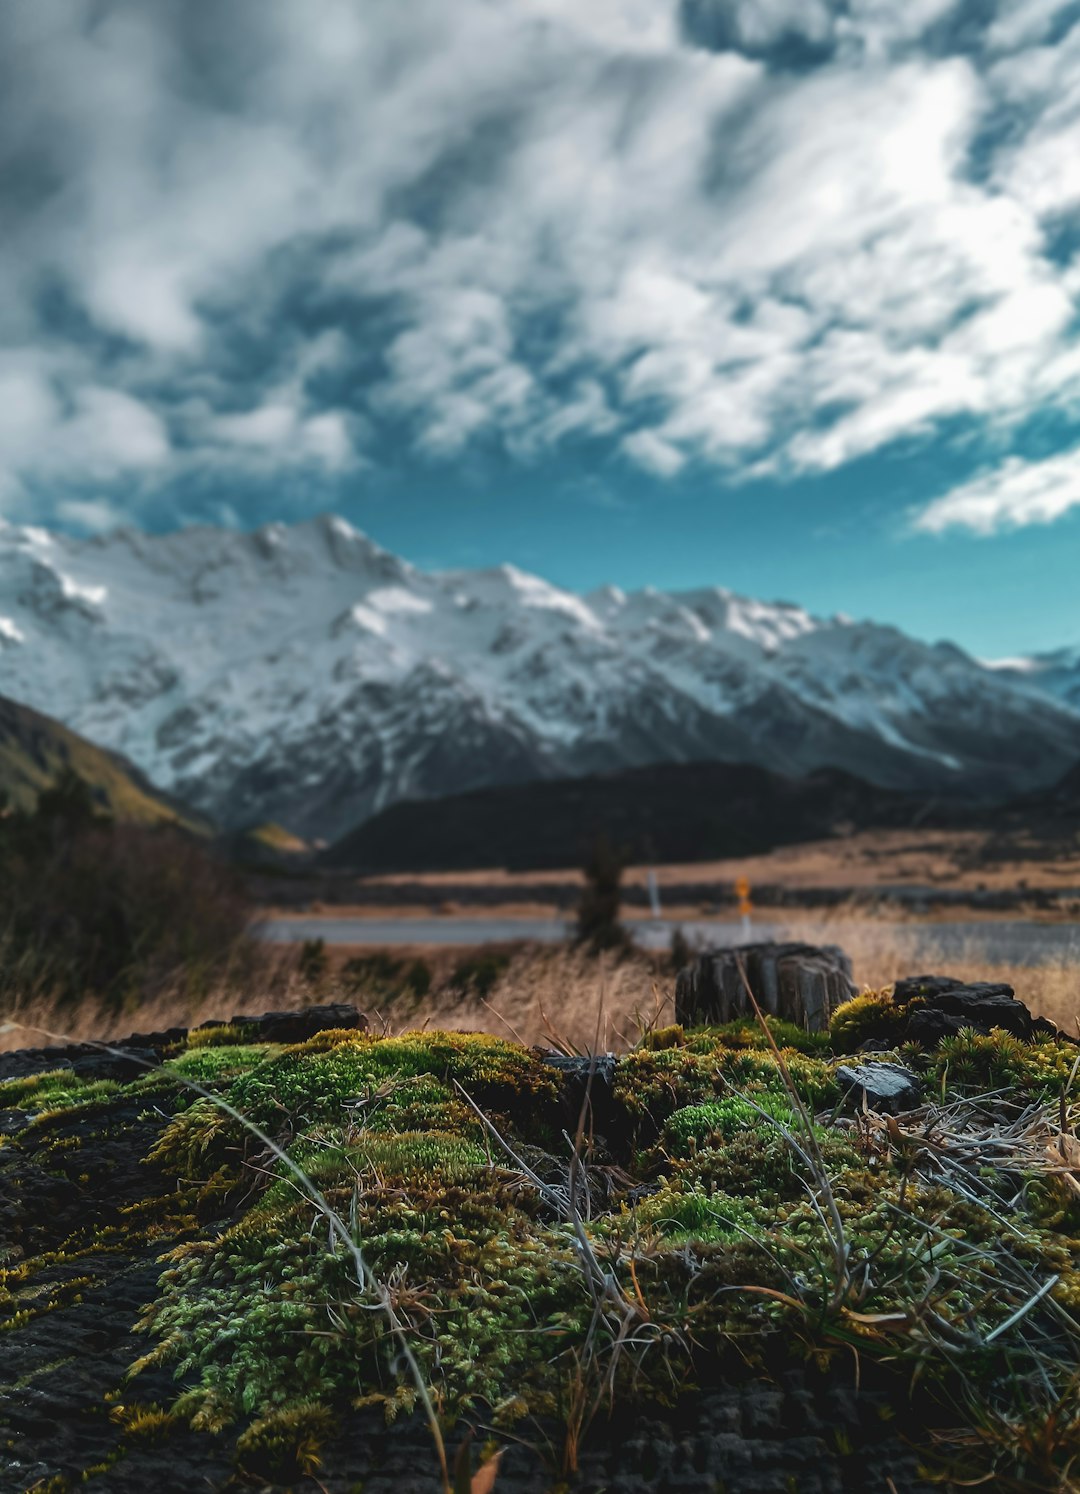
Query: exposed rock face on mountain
306,676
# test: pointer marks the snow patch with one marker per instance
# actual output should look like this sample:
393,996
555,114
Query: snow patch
91,596
1018,665
532,591
396,599
366,617
9,632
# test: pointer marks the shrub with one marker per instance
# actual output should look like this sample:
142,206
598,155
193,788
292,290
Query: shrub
681,952
119,912
480,973
381,975
313,963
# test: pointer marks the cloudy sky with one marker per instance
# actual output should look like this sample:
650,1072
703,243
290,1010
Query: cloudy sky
779,294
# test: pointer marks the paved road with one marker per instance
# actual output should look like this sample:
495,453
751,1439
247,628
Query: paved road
1001,941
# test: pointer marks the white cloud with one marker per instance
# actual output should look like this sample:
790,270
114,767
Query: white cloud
1022,23
294,226
1019,492
97,515
62,429
279,431
654,453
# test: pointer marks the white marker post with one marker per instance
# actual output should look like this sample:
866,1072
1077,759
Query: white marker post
654,893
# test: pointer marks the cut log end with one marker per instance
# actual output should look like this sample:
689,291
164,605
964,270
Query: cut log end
799,983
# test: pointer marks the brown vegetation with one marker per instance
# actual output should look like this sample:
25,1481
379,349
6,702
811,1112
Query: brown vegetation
538,994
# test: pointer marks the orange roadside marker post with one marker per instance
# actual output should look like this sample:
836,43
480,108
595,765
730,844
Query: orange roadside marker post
742,892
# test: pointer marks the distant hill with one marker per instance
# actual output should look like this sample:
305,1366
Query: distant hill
669,813
1050,815
34,750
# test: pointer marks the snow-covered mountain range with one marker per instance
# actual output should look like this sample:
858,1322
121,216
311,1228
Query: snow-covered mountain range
303,674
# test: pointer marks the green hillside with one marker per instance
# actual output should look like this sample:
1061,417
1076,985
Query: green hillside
34,750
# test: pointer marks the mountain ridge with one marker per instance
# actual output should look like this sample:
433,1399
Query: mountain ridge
305,675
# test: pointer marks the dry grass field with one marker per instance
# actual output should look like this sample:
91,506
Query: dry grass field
542,994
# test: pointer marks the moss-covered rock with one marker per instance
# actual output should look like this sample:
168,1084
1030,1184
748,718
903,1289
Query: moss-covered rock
418,1231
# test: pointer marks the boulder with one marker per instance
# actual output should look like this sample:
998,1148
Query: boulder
801,983
888,1088
942,1006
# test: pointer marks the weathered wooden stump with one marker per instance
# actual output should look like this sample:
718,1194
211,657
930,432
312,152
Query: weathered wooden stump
802,983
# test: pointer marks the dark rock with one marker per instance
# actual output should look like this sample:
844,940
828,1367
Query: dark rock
297,1027
888,1088
802,983
113,1062
127,1058
90,1060
589,1083
944,1006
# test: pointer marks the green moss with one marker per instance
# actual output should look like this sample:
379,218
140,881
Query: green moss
312,1085
972,1062
664,1037
217,1037
651,1085
286,1444
874,1014
679,1212
747,1032
725,1118
273,1314
58,1089
210,1065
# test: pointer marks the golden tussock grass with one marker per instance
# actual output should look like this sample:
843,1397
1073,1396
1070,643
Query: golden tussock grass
567,993
549,992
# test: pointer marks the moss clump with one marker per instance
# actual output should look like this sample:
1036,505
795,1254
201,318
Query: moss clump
746,1032
651,1084
285,1445
209,1065
972,1062
874,1014
145,1423
723,1119
219,1036
659,1038
682,1211
272,1312
58,1089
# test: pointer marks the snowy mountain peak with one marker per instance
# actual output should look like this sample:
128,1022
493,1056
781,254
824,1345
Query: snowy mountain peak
1056,673
304,674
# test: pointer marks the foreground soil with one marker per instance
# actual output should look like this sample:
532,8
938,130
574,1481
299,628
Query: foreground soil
241,1257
